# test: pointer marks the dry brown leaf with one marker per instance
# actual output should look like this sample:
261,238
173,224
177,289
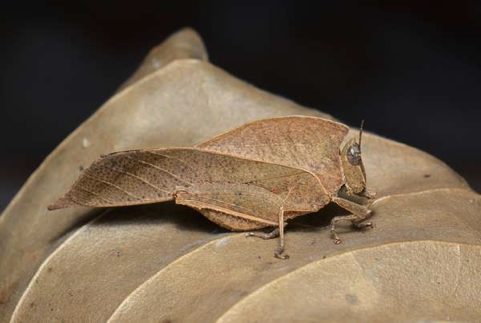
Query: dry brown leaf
166,262
184,44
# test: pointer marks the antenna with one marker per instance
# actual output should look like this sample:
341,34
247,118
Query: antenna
360,133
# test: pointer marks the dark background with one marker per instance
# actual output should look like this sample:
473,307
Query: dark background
411,69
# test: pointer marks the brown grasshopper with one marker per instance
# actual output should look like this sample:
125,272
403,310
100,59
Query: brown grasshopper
255,176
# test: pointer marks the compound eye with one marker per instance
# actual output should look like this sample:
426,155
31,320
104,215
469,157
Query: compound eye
354,155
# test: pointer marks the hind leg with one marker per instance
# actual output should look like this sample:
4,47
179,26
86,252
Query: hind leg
278,232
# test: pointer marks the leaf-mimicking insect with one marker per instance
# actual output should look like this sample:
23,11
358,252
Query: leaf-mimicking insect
255,176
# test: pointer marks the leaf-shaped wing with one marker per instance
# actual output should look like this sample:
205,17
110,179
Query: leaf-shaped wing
153,175
305,142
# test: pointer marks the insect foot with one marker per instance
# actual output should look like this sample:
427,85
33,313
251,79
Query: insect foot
270,235
278,253
335,237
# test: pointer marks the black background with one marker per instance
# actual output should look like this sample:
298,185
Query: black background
412,70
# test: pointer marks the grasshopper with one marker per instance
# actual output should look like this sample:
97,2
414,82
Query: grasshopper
256,176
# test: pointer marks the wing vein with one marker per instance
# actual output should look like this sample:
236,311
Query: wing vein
113,185
231,204
139,178
170,157
275,177
93,193
160,168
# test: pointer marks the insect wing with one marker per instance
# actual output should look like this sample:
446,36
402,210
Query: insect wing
151,176
308,143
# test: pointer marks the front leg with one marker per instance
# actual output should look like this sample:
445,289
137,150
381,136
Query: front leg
359,214
369,194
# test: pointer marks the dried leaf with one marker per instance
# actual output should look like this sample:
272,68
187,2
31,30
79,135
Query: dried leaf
184,44
165,262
